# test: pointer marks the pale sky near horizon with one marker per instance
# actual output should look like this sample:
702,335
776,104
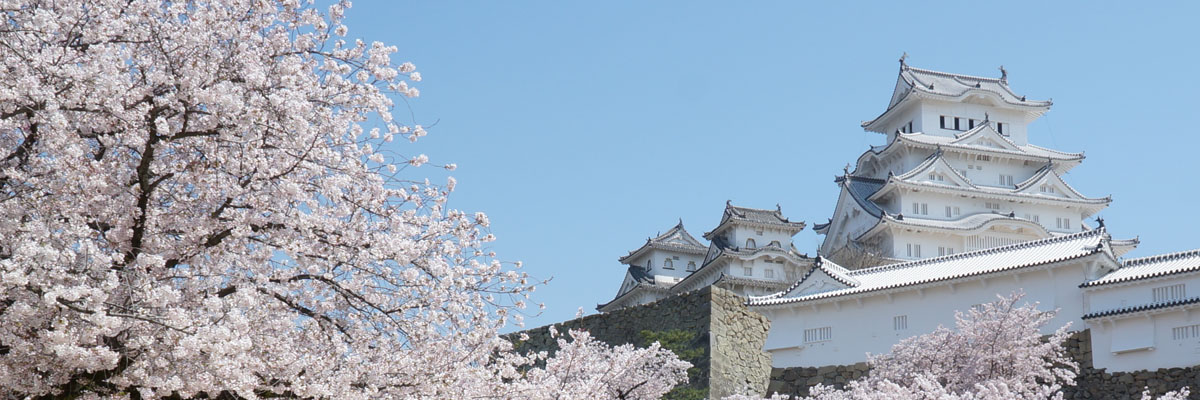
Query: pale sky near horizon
583,128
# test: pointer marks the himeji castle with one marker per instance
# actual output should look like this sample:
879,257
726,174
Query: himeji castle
955,207
957,173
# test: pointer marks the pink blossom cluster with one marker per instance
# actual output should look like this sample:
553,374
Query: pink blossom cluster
190,204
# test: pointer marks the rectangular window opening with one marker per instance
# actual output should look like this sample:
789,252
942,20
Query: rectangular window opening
818,334
1164,294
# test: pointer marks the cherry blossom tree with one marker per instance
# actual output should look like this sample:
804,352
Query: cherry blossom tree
200,198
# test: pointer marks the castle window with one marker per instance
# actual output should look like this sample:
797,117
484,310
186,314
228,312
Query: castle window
1006,180
747,271
1047,189
1186,332
900,323
1000,128
750,243
921,208
1062,223
649,264
668,264
914,250
769,273
942,119
956,125
981,157
815,335
759,233
691,266
992,206
1170,293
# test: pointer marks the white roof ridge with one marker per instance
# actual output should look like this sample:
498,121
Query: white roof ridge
954,75
1161,257
920,138
966,254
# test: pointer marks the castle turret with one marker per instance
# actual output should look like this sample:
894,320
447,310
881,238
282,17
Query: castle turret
957,174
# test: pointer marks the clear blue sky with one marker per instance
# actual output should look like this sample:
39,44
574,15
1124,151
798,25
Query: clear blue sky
582,128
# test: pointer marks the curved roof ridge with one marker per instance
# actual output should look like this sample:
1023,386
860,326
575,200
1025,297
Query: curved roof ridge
860,198
833,270
917,138
1002,82
1049,169
1079,154
683,234
1014,246
954,75
1161,257
1041,172
987,217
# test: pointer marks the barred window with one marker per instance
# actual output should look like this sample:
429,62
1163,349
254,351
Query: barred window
818,334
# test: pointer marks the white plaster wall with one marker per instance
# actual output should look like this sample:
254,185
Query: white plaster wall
928,241
1162,351
678,259
867,327
1015,123
739,234
1110,297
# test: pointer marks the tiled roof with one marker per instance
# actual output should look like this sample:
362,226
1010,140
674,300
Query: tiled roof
1151,267
757,216
639,274
967,223
822,228
1144,307
954,86
861,189
674,239
762,216
961,265
959,142
959,183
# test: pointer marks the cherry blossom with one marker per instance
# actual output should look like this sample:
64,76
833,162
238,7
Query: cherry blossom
193,201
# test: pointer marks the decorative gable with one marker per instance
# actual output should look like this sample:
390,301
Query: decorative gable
986,136
824,276
1047,183
937,171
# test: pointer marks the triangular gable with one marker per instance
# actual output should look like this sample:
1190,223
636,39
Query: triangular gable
937,171
679,236
986,136
824,276
1047,183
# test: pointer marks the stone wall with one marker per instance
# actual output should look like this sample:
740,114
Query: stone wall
731,335
739,365
1091,383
